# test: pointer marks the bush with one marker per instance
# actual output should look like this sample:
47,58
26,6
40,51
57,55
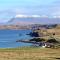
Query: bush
52,41
37,39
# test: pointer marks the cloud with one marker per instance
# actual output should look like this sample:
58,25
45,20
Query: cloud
56,16
35,16
26,16
21,16
31,16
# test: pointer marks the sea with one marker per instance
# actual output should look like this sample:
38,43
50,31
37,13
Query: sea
8,38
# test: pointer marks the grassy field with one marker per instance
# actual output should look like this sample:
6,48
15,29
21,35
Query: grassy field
29,53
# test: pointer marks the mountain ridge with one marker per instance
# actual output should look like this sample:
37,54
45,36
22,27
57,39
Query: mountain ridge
31,20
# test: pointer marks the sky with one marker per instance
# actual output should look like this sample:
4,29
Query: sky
11,8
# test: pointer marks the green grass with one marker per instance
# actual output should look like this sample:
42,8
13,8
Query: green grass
29,53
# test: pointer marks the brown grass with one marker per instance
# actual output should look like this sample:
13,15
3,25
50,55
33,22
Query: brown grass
30,53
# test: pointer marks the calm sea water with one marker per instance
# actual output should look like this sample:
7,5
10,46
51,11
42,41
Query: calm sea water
8,38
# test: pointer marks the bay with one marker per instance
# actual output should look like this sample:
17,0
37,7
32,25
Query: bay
8,38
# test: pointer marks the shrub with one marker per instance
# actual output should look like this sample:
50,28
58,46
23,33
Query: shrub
37,39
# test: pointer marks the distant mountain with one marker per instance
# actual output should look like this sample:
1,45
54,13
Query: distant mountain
33,20
21,21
